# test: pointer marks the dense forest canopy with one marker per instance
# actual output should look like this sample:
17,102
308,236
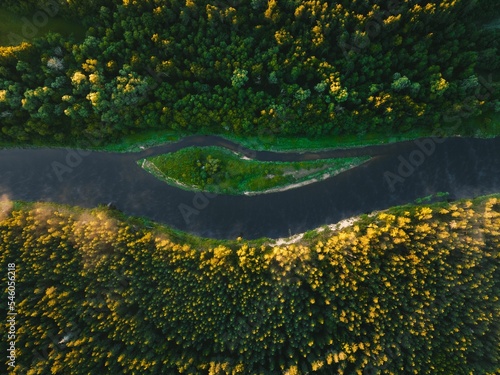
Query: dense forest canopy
246,67
413,290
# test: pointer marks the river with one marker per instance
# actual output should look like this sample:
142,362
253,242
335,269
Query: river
461,166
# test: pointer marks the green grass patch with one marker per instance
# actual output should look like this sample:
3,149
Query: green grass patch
137,141
218,170
14,29
484,126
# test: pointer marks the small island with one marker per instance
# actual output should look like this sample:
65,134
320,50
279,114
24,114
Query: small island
218,170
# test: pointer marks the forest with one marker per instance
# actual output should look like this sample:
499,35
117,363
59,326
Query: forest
414,289
279,67
409,290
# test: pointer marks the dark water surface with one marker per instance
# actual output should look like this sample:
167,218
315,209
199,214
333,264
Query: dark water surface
463,167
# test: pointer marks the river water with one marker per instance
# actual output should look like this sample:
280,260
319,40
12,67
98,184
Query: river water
397,173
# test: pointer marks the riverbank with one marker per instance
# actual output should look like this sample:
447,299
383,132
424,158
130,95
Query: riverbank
307,238
221,171
484,126
324,232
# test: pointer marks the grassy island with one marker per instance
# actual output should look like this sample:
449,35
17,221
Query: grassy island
219,170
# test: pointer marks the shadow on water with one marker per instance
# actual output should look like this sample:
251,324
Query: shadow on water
397,174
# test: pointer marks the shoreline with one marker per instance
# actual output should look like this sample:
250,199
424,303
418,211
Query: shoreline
140,147
340,225
12,205
153,139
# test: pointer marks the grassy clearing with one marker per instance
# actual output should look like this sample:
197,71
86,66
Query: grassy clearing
12,33
218,170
